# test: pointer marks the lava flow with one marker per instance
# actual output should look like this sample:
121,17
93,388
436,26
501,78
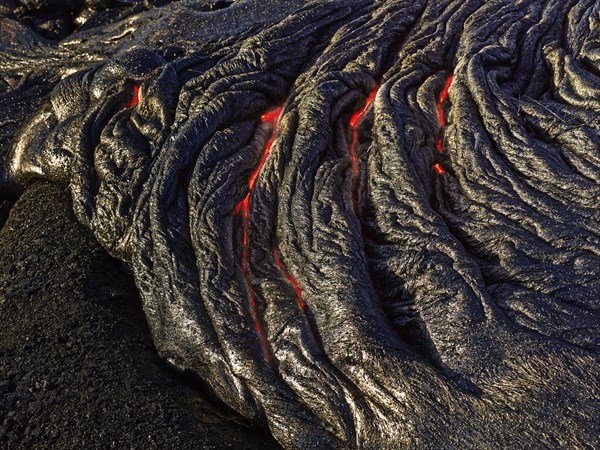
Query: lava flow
272,118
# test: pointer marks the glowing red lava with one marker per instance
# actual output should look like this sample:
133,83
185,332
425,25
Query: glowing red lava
354,120
269,117
135,97
443,96
440,110
442,120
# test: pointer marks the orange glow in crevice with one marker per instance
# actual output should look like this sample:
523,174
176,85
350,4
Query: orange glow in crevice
442,120
440,110
354,120
291,280
135,97
443,96
270,117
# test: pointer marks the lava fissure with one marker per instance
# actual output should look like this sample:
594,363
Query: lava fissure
438,169
291,280
442,120
135,97
440,103
270,117
354,121
312,326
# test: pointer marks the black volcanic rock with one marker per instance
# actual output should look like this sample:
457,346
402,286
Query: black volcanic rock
77,365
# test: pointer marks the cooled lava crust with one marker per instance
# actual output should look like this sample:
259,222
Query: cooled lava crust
365,224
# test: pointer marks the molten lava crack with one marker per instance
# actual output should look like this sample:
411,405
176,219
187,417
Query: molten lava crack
354,121
270,117
135,97
442,120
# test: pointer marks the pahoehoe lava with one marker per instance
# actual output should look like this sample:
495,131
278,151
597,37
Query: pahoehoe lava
365,224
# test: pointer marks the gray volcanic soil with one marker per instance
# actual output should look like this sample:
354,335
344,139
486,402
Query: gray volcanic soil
77,365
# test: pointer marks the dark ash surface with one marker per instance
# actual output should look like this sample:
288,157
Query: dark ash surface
77,366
